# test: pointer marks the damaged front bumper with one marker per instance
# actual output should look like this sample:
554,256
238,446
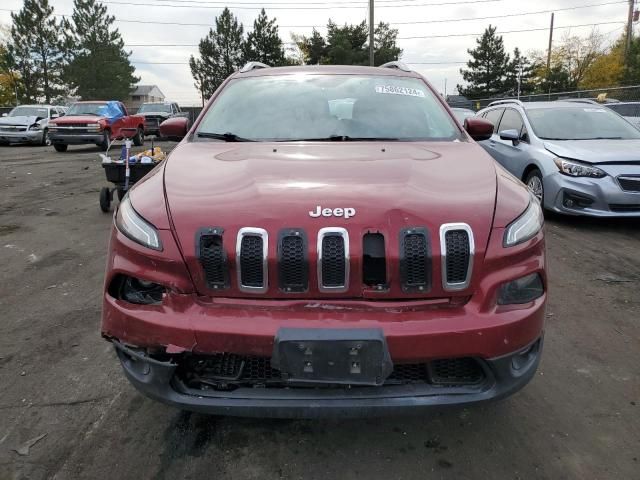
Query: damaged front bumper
159,379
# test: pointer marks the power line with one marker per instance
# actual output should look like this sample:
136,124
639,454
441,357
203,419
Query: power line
452,35
362,3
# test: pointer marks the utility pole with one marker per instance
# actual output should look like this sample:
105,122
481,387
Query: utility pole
549,53
445,88
627,46
371,32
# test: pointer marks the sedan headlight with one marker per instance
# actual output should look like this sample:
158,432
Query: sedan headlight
526,226
35,127
578,169
135,227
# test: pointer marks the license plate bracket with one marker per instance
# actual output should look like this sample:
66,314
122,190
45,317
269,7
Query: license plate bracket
332,356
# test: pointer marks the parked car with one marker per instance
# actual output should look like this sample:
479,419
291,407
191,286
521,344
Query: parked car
462,113
97,122
629,110
578,158
28,124
157,112
286,262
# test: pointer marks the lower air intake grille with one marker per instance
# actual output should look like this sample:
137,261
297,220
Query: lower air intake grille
333,261
293,264
213,259
415,262
251,261
455,371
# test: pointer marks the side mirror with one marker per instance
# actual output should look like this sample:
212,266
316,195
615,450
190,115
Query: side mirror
478,128
175,128
512,135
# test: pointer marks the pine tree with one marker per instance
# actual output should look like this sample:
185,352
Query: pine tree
487,69
264,44
519,68
99,67
313,48
346,45
221,54
386,49
35,51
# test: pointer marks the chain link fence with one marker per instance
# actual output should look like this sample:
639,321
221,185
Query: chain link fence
604,95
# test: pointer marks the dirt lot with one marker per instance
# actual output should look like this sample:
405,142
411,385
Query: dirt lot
579,418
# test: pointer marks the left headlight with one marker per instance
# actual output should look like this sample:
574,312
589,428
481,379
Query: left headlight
526,226
135,227
578,169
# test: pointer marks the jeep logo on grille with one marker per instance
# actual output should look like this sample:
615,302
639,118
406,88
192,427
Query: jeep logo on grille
346,212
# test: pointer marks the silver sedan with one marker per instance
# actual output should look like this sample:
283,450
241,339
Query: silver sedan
578,159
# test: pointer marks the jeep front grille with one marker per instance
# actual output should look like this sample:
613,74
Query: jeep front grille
293,261
333,260
415,260
213,258
251,260
457,249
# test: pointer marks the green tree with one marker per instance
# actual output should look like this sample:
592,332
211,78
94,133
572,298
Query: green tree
631,73
313,48
519,69
385,43
35,51
221,54
99,67
486,71
346,44
263,44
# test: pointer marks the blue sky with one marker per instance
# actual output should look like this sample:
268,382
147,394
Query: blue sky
446,28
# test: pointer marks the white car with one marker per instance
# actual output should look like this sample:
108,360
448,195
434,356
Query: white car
28,124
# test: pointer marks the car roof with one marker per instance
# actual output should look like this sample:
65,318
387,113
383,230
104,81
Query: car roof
35,105
538,105
327,70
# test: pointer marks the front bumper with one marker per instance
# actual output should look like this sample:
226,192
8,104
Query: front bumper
595,197
76,138
26,136
504,376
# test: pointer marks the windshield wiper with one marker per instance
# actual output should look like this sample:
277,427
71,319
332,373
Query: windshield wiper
227,137
341,138
601,138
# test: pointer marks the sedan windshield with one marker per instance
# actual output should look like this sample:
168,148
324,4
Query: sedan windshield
29,112
327,108
580,123
155,107
86,109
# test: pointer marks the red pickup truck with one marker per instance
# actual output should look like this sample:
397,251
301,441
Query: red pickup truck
97,122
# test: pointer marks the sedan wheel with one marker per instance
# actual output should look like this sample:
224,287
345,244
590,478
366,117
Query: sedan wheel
534,183
46,141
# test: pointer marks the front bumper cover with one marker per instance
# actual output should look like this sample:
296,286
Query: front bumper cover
505,375
76,138
25,136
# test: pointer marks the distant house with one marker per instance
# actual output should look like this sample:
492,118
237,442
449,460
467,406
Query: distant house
143,94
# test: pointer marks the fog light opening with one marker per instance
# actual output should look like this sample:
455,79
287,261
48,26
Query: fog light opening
522,290
136,290
524,358
575,200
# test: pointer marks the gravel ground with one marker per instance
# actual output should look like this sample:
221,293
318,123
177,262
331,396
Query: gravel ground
579,418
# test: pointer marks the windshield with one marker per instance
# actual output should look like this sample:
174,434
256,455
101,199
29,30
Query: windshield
323,107
155,107
29,112
580,123
87,109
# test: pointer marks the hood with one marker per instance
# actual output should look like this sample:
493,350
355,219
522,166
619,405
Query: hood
21,120
596,151
67,119
391,186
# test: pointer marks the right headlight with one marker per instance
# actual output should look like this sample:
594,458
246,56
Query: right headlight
135,227
578,169
526,226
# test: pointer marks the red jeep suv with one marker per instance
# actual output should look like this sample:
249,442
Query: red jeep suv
326,241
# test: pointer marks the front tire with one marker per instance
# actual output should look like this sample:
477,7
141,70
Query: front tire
105,199
60,147
46,141
535,185
138,139
106,137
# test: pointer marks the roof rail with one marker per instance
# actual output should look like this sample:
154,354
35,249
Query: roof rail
503,102
396,64
253,66
579,100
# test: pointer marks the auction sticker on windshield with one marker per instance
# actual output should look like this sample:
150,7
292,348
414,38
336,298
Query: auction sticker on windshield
396,90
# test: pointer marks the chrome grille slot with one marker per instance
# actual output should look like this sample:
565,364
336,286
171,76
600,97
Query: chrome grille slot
333,260
251,260
213,258
457,249
293,261
415,260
